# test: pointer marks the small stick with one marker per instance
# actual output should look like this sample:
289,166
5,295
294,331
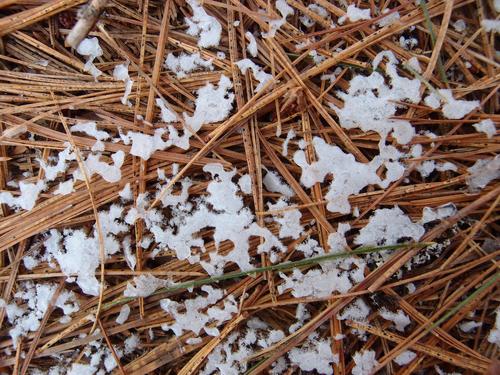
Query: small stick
87,18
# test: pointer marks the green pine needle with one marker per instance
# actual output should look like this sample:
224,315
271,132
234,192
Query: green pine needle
493,279
428,24
272,268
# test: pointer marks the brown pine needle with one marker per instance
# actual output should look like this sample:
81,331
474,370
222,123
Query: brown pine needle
158,262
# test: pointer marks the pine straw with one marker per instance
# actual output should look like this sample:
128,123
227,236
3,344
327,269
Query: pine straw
44,100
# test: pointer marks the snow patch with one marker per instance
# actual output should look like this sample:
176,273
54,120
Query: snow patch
405,357
469,326
257,72
79,253
338,275
491,25
285,10
145,285
314,355
223,210
126,193
123,315
120,73
28,197
34,301
289,136
389,19
452,108
386,226
317,9
184,64
399,318
194,318
288,219
459,25
354,14
245,184
167,115
109,172
365,362
483,172
206,27
65,188
89,128
442,212
350,176
212,105
252,44
487,127
144,145
369,103
90,48
494,335
274,184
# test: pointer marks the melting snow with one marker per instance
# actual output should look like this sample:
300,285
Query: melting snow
79,253
28,197
167,115
191,316
123,315
51,171
184,64
405,357
494,335
386,226
109,172
274,184
274,25
206,27
257,72
369,103
252,44
442,212
487,127
389,19
483,172
289,136
145,285
338,275
212,105
288,219
399,318
365,362
222,210
65,188
121,73
452,108
469,326
350,176
90,48
314,355
315,8
354,14
491,25
35,298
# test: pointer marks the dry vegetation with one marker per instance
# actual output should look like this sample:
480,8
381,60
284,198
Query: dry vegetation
44,91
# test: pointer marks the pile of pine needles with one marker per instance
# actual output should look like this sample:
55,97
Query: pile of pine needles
39,100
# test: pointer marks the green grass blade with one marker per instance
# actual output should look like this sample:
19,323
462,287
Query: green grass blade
272,268
428,24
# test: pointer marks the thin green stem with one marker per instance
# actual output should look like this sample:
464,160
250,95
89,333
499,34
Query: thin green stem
272,268
493,279
428,24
